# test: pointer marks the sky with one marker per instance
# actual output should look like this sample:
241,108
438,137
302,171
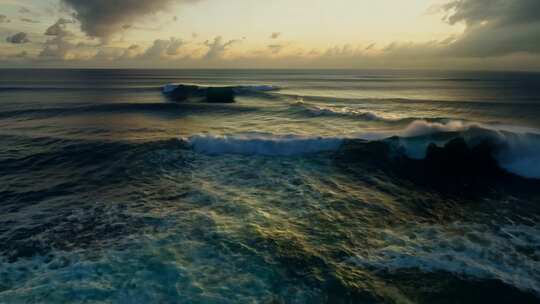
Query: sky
394,34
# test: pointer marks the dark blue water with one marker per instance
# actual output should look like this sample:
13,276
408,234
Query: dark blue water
315,186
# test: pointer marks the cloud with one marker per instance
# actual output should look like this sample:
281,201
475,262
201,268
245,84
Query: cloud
494,27
28,20
108,54
281,48
24,10
102,18
275,35
22,54
275,48
500,12
58,47
131,52
164,48
18,38
58,28
218,47
498,33
4,19
369,47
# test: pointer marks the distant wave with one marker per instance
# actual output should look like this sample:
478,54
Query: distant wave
238,89
401,100
318,110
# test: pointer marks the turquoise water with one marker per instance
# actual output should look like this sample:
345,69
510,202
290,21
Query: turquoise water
111,193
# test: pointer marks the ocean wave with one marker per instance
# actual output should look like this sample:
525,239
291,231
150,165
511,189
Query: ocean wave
212,94
318,110
262,144
317,97
516,149
238,89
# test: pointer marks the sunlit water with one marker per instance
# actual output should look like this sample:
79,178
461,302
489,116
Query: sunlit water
110,193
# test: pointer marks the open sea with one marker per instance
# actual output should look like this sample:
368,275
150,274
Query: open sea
315,186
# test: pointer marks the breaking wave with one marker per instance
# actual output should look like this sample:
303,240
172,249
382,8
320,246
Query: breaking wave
516,149
240,89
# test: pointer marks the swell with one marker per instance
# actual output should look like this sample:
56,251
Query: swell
165,109
262,144
96,89
36,170
311,110
42,153
528,102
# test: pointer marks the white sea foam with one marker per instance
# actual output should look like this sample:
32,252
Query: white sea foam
262,144
168,88
521,154
423,127
462,249
345,111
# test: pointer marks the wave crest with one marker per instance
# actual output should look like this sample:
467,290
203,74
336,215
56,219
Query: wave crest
347,112
239,89
515,149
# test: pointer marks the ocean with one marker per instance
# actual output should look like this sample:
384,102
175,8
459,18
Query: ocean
314,186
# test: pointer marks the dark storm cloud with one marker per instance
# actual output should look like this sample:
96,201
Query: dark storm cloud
18,38
275,35
495,27
58,28
102,18
500,12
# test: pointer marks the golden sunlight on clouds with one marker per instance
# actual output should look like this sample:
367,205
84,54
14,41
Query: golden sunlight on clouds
278,33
